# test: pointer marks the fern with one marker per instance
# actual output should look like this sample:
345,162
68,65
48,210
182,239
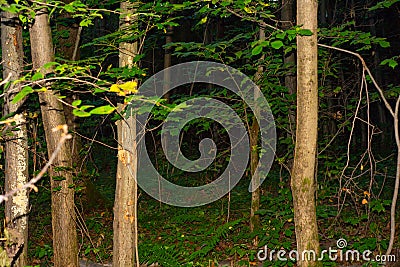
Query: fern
185,218
162,255
214,238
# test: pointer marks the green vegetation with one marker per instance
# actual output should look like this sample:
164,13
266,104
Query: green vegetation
356,150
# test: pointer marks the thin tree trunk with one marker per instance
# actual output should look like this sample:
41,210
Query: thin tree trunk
62,198
254,132
167,73
16,153
289,59
168,61
287,22
385,140
125,206
68,48
302,183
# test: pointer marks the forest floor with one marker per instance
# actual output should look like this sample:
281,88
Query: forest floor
216,234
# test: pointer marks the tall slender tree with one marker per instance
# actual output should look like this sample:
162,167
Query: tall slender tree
289,58
62,196
68,48
303,172
125,206
16,147
254,157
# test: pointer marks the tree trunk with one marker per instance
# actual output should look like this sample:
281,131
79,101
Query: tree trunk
68,49
289,59
125,214
125,206
62,198
303,172
16,147
290,63
168,60
254,132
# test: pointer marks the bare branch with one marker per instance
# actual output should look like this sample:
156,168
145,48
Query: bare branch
395,115
31,184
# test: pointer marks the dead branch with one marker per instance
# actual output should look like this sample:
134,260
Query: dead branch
31,184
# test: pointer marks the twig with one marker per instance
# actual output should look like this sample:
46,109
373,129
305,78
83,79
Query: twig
6,81
395,115
31,184
365,67
397,181
262,24
78,39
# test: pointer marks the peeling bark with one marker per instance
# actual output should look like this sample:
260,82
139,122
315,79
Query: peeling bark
16,153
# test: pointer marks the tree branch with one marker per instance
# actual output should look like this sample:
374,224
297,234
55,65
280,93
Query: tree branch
31,184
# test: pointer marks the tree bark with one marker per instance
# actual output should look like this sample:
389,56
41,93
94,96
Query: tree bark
125,206
289,61
302,183
168,61
62,197
254,157
68,48
16,153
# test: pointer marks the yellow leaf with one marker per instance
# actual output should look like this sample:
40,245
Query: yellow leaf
346,190
203,20
129,88
362,167
115,88
248,10
366,193
364,201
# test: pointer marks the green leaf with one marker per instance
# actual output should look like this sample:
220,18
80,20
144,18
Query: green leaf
76,103
57,189
85,107
288,232
58,178
85,22
281,35
49,65
305,32
69,8
239,54
384,44
390,62
98,90
37,76
277,44
256,50
80,113
24,92
102,110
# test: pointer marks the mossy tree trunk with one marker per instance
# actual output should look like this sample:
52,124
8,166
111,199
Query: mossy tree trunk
254,157
303,172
